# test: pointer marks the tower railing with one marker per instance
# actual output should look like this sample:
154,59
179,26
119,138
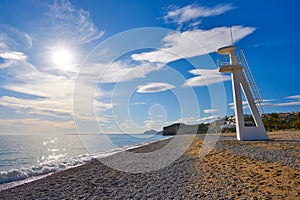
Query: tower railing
252,85
225,60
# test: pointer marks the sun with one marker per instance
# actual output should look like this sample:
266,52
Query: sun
62,58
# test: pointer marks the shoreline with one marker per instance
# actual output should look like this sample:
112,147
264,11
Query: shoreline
99,155
229,170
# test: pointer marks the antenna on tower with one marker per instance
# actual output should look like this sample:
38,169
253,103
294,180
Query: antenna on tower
231,35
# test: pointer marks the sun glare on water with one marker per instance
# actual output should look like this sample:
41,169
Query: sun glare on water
62,58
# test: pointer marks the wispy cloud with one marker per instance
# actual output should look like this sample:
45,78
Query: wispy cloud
273,103
14,59
154,87
139,103
29,125
53,95
196,120
58,108
294,103
188,44
155,124
118,71
205,77
73,24
246,103
208,119
13,55
294,97
14,39
34,82
47,107
211,110
12,43
193,12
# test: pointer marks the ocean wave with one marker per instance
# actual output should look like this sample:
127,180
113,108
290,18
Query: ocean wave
42,169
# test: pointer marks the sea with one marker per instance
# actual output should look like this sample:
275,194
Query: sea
29,157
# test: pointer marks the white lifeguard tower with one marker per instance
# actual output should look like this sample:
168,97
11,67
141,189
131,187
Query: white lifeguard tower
242,78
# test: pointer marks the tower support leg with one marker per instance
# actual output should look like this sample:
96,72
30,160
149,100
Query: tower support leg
257,132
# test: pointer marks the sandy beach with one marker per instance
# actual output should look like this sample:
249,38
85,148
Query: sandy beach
232,170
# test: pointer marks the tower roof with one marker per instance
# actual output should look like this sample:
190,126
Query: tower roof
226,50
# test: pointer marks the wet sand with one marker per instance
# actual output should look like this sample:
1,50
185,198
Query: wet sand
232,170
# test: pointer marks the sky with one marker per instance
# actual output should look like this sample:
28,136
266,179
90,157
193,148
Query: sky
69,67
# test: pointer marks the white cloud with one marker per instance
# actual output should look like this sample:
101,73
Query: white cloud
44,84
12,43
72,24
186,120
54,107
205,77
13,58
29,125
29,40
293,103
2,44
13,55
117,71
271,103
154,87
196,120
6,63
208,119
210,110
193,43
139,103
193,12
54,95
14,39
246,102
243,103
47,106
153,124
294,97
126,124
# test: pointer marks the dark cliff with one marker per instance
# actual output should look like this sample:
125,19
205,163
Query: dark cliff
179,128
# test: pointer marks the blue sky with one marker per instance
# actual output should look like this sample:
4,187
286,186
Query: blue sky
97,66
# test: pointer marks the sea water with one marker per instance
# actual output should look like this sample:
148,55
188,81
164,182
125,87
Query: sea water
25,156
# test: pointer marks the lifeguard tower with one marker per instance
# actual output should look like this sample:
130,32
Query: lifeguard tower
242,79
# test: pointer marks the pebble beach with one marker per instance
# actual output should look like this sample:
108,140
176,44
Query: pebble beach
231,170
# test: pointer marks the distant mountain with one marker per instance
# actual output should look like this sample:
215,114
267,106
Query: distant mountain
150,132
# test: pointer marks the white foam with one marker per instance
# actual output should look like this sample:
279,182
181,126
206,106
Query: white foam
41,169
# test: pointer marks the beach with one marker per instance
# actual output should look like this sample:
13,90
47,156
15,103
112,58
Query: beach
231,170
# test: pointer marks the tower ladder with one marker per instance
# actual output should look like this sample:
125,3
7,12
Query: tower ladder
252,85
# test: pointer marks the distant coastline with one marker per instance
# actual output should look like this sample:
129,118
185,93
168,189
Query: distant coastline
272,122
